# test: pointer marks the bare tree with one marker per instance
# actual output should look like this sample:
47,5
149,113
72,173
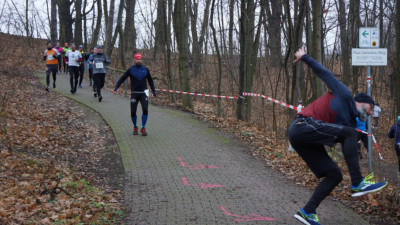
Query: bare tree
274,32
249,43
197,43
159,42
84,16
78,22
53,21
218,57
344,43
180,27
168,39
231,23
95,36
109,17
130,31
66,21
121,33
398,56
316,52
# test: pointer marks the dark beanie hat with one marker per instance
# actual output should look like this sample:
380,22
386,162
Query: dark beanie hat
364,98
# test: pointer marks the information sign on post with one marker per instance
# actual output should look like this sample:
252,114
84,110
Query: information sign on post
369,54
368,57
368,37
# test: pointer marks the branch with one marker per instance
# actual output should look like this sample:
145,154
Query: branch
90,10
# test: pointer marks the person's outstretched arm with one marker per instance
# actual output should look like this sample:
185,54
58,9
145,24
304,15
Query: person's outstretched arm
106,59
120,81
326,76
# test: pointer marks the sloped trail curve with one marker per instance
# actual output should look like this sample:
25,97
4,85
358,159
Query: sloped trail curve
184,172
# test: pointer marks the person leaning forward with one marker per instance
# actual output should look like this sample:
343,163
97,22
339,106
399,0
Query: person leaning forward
328,120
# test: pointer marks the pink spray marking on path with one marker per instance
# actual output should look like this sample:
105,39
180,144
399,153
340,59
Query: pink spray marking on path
200,185
196,166
252,217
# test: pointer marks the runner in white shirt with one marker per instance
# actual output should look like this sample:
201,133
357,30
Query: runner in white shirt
74,57
375,115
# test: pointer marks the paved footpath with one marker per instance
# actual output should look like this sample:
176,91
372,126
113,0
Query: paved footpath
185,172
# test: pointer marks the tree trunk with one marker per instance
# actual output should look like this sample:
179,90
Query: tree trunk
130,31
78,22
121,33
309,36
218,57
85,24
231,23
317,43
109,28
96,32
354,24
53,22
27,18
180,28
344,43
274,32
397,72
298,69
197,44
159,42
248,54
66,20
168,34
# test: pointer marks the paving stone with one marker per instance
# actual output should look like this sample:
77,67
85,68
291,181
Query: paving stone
154,187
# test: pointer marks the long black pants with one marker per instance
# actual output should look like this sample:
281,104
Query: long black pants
61,59
81,72
51,69
73,76
92,79
397,148
99,79
144,101
65,66
308,137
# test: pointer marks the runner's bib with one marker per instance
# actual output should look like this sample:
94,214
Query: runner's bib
99,66
50,57
146,92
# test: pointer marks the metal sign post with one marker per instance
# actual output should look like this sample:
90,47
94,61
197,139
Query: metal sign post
369,54
369,121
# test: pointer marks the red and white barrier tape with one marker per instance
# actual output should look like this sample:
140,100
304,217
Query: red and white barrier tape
197,94
266,97
295,108
270,99
374,140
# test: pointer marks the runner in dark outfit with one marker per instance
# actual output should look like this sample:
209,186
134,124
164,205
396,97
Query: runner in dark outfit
99,61
82,64
138,74
90,66
395,133
328,120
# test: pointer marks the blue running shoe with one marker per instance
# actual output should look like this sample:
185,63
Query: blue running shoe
367,186
309,219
